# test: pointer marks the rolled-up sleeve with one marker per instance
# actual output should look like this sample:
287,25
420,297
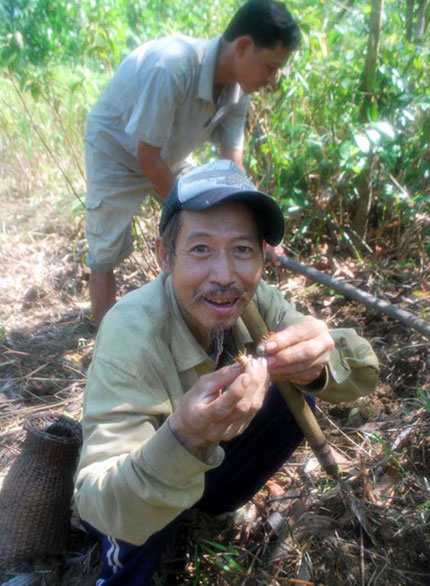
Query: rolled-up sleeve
152,116
353,368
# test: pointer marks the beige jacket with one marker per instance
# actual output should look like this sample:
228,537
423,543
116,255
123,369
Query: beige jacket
134,477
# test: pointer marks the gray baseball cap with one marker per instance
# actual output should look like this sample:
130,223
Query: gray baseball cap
221,182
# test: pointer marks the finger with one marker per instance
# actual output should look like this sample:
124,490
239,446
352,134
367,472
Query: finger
298,367
307,352
257,370
233,431
261,390
210,384
293,335
301,378
241,395
308,377
222,406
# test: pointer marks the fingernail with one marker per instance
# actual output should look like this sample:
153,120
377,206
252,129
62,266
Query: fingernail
253,362
263,362
271,346
246,379
260,349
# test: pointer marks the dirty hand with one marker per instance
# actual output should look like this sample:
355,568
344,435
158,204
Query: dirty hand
299,353
220,405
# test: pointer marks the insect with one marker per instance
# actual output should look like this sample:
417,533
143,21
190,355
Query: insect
267,336
242,358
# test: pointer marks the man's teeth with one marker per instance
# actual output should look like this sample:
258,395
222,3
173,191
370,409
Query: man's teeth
229,302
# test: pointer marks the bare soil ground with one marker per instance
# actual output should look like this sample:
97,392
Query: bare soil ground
298,529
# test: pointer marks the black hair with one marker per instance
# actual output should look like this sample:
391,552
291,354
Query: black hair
267,22
170,235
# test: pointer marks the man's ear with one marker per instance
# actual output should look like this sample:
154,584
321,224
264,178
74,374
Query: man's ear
242,45
265,245
162,255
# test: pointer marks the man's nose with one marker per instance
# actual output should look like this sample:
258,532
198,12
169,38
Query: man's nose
222,269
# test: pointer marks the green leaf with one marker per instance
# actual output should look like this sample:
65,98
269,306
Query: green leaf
408,115
230,550
373,112
363,142
373,135
418,62
229,564
386,128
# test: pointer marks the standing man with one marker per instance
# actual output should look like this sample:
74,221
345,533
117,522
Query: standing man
170,422
165,100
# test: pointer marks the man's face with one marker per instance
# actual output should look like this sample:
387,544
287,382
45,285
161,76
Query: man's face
258,67
218,264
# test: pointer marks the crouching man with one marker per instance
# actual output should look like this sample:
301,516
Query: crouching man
170,420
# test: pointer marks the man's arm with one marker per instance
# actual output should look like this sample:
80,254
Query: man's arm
134,476
232,153
154,168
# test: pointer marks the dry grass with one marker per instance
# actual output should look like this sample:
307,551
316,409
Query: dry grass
297,530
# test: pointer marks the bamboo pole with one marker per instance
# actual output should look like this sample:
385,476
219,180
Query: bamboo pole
295,399
404,317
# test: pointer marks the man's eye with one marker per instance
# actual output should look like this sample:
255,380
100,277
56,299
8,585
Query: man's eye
200,248
244,249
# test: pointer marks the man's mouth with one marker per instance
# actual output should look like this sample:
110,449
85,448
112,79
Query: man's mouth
222,301
230,302
222,305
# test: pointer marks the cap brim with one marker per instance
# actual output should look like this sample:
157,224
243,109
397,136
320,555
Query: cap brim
267,212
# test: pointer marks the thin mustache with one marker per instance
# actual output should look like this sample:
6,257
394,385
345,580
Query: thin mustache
219,291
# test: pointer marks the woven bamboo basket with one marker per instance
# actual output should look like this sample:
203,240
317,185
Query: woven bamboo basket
35,502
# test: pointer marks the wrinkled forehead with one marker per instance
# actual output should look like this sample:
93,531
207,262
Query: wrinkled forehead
229,219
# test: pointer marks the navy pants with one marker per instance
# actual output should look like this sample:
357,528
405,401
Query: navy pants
250,460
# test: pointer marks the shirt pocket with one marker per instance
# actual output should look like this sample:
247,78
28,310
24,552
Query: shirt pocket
93,216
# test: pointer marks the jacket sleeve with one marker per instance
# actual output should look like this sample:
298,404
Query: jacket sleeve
133,477
353,368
